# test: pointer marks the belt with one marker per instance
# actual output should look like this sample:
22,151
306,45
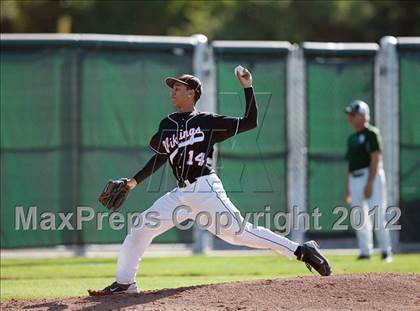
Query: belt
358,173
189,181
185,183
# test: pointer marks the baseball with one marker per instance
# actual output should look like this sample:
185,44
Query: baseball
239,70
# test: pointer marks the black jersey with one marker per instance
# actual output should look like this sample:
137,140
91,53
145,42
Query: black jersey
187,138
360,145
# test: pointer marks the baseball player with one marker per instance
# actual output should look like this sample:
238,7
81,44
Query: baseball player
365,182
185,139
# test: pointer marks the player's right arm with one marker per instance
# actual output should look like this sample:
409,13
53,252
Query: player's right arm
224,126
250,119
347,194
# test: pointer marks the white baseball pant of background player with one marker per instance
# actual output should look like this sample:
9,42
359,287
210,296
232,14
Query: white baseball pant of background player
379,199
206,194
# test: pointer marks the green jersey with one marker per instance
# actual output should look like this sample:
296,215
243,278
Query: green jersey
360,145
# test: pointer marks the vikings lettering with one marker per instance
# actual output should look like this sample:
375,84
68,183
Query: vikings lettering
186,137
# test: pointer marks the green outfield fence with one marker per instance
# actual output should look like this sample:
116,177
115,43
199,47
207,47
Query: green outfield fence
253,165
409,95
336,75
75,113
77,110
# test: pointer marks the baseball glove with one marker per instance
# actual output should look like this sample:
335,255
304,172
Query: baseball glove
114,194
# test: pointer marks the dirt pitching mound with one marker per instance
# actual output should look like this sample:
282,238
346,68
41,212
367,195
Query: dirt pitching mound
370,291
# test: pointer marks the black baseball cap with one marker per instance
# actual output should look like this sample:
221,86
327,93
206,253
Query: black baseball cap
189,80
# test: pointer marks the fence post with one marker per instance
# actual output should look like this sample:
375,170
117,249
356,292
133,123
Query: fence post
296,140
387,117
203,67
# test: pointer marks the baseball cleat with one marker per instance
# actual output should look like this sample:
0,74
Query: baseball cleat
311,256
114,289
363,257
387,257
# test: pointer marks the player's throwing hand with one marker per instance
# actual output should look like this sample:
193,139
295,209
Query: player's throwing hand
244,76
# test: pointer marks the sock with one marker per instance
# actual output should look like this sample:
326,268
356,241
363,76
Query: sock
298,252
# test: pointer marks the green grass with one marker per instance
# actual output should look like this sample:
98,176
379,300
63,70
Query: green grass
42,278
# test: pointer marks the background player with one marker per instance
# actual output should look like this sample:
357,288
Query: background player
185,138
365,183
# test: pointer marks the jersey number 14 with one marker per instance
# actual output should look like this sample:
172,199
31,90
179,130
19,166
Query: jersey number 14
200,158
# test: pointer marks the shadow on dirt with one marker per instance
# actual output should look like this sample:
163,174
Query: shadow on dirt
115,301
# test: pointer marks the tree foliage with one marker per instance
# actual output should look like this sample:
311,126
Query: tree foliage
295,21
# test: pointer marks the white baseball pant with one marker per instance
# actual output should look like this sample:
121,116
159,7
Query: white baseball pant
378,200
204,195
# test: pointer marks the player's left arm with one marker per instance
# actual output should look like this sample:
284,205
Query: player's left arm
155,163
373,169
374,146
116,191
